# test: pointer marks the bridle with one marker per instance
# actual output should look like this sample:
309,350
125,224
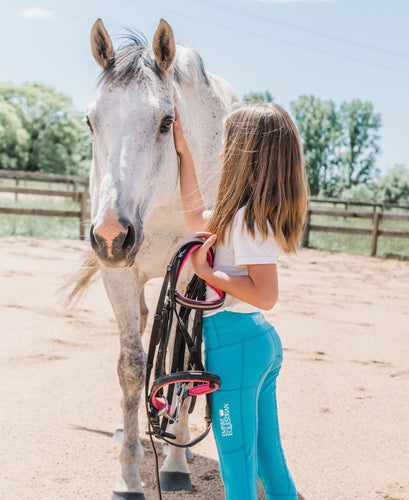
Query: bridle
187,376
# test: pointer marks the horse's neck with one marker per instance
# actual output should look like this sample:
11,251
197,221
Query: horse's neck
202,109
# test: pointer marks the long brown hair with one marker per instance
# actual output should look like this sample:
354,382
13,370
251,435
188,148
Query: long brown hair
263,171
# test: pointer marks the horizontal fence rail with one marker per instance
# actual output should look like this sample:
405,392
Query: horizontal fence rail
349,203
80,193
45,192
375,232
82,214
18,175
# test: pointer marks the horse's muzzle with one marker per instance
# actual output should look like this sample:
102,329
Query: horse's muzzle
116,245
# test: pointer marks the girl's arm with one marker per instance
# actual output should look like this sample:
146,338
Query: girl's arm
194,209
259,288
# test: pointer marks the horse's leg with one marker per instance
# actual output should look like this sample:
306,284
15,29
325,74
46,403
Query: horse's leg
119,431
124,289
144,310
175,472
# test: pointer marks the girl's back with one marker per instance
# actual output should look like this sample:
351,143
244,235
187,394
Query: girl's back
260,207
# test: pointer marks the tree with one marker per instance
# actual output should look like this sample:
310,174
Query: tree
258,97
360,125
56,140
393,187
14,139
320,130
359,192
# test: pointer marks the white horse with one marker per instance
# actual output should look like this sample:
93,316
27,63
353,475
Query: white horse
136,215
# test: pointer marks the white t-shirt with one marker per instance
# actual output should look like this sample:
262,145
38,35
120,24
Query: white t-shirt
238,251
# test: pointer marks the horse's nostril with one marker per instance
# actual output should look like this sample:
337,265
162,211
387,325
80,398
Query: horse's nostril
129,240
114,242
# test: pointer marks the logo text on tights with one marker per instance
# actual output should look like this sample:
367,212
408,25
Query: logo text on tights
225,422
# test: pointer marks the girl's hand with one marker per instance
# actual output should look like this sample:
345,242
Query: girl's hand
199,257
180,141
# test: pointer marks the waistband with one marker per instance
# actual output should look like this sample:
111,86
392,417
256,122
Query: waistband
228,327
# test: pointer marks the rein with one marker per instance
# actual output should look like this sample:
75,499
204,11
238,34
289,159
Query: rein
167,392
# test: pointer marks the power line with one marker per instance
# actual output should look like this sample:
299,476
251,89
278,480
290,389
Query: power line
309,31
270,38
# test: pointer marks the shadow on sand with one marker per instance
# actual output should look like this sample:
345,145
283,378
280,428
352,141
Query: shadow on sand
205,476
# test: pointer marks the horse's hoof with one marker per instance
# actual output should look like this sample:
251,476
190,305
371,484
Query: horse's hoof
175,481
127,496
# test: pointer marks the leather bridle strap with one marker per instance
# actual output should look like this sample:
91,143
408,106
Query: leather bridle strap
170,303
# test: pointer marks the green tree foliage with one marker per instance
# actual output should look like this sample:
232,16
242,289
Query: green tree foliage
320,130
393,187
359,192
340,145
258,97
14,139
41,131
360,126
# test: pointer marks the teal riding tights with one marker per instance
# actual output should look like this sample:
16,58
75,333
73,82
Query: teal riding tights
246,352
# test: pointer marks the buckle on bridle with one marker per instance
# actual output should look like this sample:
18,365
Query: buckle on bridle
163,411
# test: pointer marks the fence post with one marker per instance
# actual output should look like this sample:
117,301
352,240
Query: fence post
74,189
83,216
306,232
376,218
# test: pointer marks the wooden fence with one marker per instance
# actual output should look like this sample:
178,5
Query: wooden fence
74,181
349,203
17,175
375,232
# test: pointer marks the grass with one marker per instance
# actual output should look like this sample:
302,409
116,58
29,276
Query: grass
360,244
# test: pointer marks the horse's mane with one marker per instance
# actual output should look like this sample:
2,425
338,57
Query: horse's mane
135,61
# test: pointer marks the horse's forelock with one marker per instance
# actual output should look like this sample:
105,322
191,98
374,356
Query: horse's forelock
135,61
131,62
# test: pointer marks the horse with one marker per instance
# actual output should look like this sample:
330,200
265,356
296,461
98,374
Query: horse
136,214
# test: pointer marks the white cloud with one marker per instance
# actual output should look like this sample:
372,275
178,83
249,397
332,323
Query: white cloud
36,13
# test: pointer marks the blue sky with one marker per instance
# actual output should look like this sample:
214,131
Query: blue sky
333,49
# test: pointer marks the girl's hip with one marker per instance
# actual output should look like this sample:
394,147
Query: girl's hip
226,327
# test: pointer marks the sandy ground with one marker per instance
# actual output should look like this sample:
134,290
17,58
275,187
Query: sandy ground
343,391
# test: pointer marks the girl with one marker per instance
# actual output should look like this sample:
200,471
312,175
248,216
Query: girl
260,206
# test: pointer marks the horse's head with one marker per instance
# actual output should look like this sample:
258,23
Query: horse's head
134,165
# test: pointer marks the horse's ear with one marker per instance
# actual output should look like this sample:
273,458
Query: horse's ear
101,44
164,45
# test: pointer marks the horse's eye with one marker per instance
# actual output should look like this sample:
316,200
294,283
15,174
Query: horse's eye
166,124
88,123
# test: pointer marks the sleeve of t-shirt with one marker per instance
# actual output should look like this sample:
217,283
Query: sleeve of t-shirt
251,250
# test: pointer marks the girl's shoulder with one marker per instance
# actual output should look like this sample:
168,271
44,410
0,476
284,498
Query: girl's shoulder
251,248
238,218
239,227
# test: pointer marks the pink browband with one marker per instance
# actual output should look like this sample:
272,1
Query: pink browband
181,299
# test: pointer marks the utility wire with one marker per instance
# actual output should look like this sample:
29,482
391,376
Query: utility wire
309,31
267,37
